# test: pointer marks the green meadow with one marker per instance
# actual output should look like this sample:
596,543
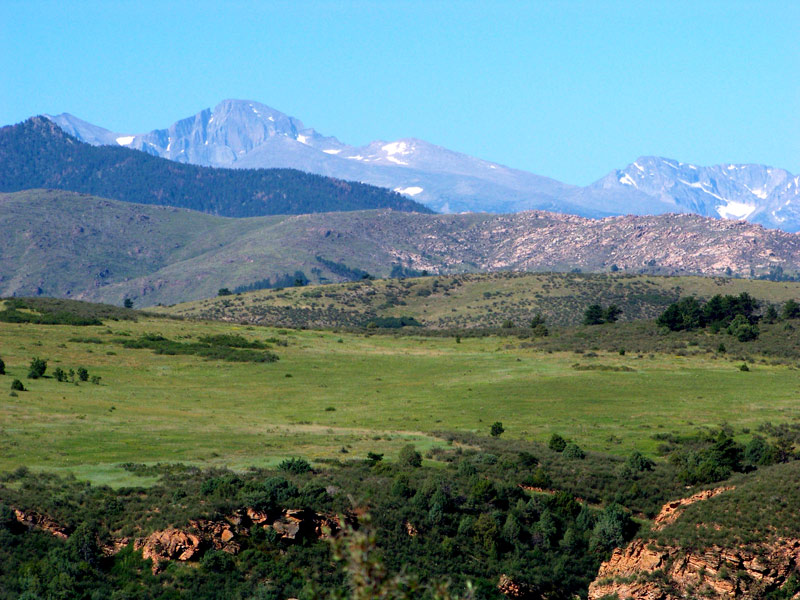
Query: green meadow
341,395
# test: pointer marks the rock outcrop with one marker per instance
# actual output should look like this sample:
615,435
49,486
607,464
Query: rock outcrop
225,534
169,544
646,571
201,535
34,520
515,590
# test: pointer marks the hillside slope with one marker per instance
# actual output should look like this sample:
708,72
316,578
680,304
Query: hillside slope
71,245
38,154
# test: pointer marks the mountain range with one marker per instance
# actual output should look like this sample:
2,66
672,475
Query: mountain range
246,134
66,244
38,154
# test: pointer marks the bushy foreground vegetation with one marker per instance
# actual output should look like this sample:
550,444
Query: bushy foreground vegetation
543,517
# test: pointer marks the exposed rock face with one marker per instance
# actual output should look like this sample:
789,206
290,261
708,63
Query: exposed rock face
169,544
191,543
517,591
644,571
202,534
672,510
716,572
35,520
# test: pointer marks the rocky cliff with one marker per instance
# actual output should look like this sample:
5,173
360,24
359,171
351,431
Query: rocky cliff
645,570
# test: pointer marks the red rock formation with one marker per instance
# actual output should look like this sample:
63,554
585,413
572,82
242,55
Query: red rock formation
35,520
169,544
671,510
645,571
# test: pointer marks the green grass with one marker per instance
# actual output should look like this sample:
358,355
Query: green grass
387,391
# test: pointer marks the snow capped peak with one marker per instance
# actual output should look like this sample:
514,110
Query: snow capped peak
402,148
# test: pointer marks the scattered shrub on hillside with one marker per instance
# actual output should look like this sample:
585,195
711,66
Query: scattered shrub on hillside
409,457
791,310
742,329
83,374
614,527
573,451
557,443
2,367
295,465
497,429
638,462
37,368
60,374
231,341
16,386
373,458
162,345
393,323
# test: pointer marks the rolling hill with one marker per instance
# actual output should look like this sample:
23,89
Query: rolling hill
66,244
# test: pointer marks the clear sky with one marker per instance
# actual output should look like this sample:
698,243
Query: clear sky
570,90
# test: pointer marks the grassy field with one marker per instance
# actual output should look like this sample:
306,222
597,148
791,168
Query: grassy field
474,300
342,395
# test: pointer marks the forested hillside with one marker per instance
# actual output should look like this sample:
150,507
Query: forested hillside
38,154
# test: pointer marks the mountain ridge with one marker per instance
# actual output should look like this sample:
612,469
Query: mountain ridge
39,154
66,244
247,134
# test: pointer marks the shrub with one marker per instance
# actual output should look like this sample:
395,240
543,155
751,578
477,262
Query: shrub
373,458
638,462
791,310
298,466
497,429
37,368
2,367
594,315
557,443
572,450
17,386
60,374
613,528
526,459
83,374
742,329
217,561
409,457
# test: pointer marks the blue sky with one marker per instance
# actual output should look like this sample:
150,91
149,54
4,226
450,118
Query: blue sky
569,90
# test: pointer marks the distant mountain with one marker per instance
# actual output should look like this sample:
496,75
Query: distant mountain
246,134
759,194
64,244
39,154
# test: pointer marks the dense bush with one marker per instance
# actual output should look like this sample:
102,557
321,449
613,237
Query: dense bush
37,368
207,349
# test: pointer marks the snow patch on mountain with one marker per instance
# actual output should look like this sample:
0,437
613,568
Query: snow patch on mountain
409,191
